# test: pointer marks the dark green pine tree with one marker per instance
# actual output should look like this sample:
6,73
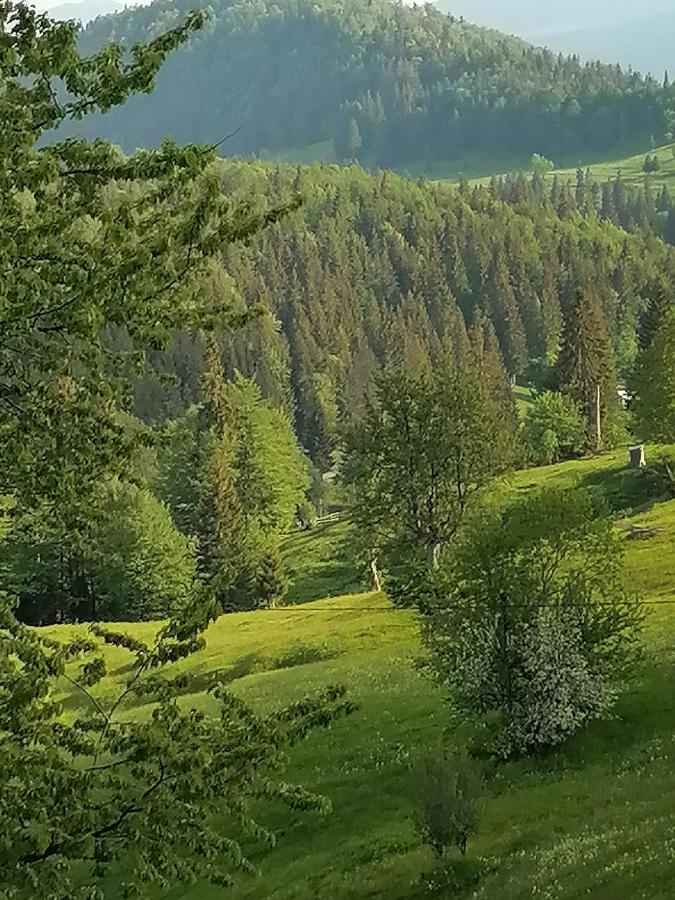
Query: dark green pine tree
222,534
586,364
663,202
506,317
487,358
669,229
658,306
581,192
348,141
608,209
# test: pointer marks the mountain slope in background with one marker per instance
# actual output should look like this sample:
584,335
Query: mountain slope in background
637,35
381,83
84,11
646,44
534,18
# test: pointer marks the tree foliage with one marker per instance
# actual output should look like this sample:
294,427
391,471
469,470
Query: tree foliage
234,477
532,627
89,239
448,791
376,270
425,447
552,428
586,365
654,385
164,800
134,563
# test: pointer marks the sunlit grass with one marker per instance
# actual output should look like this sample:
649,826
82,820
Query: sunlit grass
596,818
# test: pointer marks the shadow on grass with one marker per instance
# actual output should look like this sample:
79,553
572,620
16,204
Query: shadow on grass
627,490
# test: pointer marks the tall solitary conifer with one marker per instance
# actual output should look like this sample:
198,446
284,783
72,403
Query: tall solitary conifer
658,307
586,364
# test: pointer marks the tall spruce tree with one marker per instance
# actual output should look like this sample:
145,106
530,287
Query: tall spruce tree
654,385
658,306
586,365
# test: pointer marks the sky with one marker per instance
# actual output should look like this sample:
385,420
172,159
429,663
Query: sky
50,4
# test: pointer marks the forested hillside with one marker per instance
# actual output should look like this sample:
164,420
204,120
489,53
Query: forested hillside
381,83
374,269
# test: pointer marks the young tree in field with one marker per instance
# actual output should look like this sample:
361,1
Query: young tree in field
531,626
89,238
552,429
654,386
447,795
586,365
540,165
427,445
349,140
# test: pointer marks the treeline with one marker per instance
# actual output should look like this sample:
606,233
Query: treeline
386,84
632,208
374,270
199,515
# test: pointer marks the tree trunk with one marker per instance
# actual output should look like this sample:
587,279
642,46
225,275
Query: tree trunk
598,418
434,554
375,582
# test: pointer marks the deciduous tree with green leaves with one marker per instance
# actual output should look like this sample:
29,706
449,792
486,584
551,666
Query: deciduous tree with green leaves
532,625
426,446
553,428
89,238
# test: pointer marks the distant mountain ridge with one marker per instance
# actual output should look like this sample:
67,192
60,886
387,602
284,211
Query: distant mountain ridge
534,18
647,44
84,10
614,31
379,83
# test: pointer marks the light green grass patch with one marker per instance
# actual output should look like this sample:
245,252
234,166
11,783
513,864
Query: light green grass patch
594,819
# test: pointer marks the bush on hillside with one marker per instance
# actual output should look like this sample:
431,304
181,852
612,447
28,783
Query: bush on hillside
553,429
448,791
532,627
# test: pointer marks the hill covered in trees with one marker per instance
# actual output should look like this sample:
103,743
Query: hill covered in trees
378,269
381,83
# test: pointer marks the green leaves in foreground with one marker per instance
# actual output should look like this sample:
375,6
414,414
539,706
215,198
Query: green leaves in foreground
163,800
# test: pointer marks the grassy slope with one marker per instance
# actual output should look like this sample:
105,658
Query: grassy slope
630,167
317,563
480,167
597,818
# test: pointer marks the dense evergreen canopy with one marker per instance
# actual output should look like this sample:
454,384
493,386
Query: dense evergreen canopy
374,270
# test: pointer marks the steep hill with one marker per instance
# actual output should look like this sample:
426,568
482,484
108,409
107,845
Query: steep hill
556,827
383,83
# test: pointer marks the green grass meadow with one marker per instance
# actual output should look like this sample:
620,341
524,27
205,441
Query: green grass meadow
594,819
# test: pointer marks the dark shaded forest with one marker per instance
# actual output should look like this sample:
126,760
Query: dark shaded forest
376,269
381,83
